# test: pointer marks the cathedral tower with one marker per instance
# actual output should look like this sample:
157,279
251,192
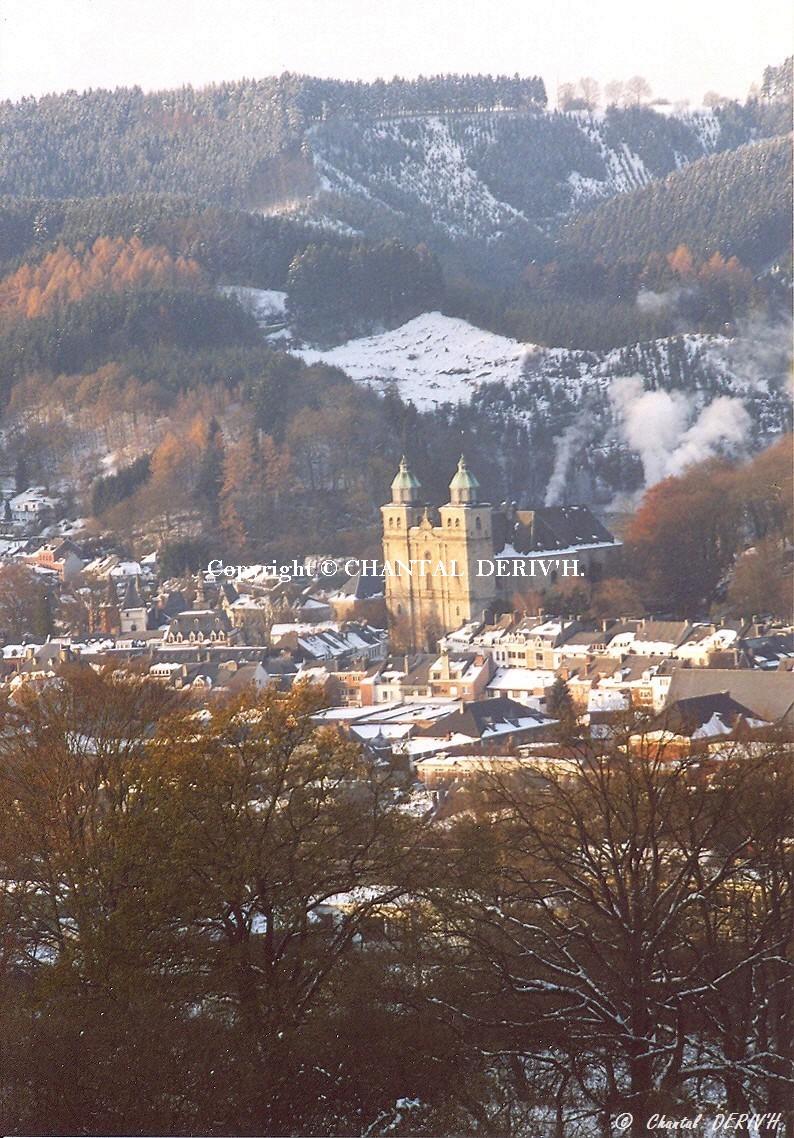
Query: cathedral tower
466,539
423,605
399,516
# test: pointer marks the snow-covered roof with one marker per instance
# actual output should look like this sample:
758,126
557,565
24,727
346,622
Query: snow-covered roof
33,500
395,711
279,631
516,678
607,699
126,569
508,553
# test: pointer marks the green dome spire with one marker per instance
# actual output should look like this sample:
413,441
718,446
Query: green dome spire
464,486
405,486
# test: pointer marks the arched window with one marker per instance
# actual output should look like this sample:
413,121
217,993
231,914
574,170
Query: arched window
478,523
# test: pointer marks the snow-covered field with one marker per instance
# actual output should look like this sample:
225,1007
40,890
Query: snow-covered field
430,360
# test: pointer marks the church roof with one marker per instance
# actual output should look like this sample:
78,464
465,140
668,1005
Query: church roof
463,478
567,526
550,528
132,598
404,479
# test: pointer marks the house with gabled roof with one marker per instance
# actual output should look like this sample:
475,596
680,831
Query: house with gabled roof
200,626
481,722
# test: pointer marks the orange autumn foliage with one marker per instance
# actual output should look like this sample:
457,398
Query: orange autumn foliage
690,528
111,264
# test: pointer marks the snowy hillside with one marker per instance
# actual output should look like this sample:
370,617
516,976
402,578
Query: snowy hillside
433,170
492,179
593,424
648,410
430,360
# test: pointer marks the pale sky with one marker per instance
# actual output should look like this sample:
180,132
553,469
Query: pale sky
683,47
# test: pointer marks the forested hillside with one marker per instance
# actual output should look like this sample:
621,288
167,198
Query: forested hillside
618,255
471,165
737,203
490,189
568,426
236,143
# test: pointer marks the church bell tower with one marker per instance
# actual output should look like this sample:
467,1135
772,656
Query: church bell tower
403,512
423,606
466,539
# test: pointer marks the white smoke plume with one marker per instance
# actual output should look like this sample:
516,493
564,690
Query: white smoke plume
668,433
567,444
759,356
658,303
652,422
722,427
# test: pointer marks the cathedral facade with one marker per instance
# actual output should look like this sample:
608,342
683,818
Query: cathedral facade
425,604
443,566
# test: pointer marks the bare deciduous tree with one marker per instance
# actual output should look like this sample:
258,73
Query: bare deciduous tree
637,90
598,943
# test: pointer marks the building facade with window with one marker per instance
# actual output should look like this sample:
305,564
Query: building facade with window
441,564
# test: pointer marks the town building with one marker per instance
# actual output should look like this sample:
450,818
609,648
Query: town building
448,566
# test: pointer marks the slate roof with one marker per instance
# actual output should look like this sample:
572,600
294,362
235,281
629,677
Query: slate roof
550,527
205,621
768,651
769,695
173,603
478,718
632,667
673,632
704,715
586,638
132,598
362,587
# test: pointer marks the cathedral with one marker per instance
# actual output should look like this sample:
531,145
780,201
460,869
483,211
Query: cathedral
459,550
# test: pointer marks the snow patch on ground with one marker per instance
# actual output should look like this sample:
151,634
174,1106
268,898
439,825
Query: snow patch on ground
430,360
433,171
266,305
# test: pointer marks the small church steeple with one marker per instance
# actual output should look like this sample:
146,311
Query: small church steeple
405,487
464,487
